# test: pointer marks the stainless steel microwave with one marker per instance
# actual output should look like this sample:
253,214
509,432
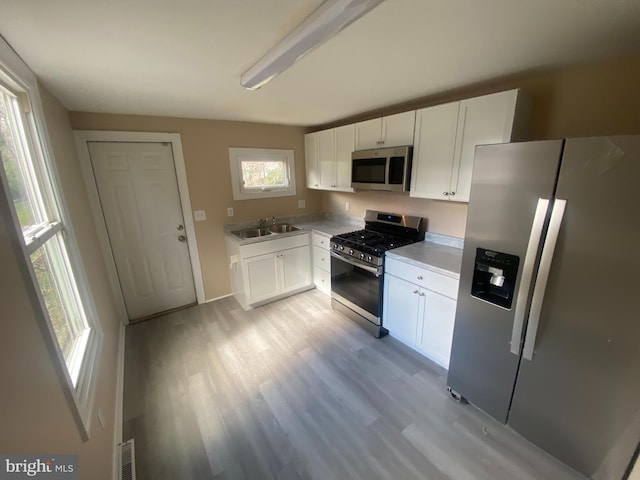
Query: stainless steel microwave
384,169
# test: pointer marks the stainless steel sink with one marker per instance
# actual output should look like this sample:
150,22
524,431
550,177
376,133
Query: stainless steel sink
283,228
252,233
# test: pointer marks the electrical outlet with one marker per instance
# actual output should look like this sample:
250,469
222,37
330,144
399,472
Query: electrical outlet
347,206
229,212
199,215
302,203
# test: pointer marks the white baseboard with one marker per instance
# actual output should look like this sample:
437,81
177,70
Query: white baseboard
118,414
218,298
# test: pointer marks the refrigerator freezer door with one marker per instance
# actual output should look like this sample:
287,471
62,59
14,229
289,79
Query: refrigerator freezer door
579,397
508,183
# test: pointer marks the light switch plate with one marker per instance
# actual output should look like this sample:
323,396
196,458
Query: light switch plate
302,203
346,205
199,215
229,212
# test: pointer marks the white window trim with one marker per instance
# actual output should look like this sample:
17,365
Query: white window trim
81,398
241,193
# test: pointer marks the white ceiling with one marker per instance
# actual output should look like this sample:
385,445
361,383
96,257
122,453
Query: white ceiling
185,57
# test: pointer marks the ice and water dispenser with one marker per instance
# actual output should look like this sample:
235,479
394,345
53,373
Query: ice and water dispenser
494,277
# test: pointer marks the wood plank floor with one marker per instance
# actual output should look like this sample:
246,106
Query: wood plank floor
295,390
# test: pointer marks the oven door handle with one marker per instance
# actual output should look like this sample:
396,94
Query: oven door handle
374,270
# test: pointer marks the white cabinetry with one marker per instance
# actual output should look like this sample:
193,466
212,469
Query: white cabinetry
311,160
321,263
391,131
446,137
328,158
419,308
269,270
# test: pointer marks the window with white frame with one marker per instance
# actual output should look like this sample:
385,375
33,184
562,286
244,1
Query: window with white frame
262,173
31,194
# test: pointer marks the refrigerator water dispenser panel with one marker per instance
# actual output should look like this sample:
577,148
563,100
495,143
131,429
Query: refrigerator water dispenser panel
494,277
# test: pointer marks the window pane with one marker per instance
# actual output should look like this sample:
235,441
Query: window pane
49,265
257,174
16,165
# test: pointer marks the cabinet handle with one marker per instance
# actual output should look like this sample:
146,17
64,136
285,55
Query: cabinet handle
421,294
415,292
452,193
420,277
446,194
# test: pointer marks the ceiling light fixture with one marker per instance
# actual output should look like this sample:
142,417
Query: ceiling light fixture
327,20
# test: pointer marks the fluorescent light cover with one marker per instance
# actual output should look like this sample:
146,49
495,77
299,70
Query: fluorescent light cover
327,20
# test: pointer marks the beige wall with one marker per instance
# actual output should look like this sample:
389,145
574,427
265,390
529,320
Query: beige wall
597,99
35,416
205,146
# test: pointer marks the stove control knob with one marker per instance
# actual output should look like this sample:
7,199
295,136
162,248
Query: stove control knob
362,256
351,251
341,247
369,259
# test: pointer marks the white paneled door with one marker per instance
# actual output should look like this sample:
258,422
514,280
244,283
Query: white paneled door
140,201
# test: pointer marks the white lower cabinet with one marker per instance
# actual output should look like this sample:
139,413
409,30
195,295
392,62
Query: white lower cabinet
419,309
269,270
321,263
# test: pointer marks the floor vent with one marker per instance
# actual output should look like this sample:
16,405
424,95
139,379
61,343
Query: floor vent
127,460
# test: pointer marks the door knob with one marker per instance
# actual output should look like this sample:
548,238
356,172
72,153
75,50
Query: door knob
182,238
180,227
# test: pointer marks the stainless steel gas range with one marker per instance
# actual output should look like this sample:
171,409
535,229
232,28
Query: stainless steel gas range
357,265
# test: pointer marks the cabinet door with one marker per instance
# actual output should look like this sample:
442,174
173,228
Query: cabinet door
262,277
482,121
327,159
400,309
296,268
436,327
311,159
397,130
345,145
434,147
369,134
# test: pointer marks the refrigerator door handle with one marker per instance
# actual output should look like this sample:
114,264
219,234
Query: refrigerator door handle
543,276
527,274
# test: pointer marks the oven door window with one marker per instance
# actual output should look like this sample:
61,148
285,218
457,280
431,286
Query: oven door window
358,286
369,170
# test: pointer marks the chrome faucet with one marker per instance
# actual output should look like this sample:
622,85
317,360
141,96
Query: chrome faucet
264,222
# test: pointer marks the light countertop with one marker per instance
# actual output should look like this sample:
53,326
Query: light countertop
436,254
326,225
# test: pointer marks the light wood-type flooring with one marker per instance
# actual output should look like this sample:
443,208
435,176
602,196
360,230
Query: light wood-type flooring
294,390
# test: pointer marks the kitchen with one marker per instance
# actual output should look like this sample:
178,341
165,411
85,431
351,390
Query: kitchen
593,98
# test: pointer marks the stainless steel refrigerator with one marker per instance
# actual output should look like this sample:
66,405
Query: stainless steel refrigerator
547,331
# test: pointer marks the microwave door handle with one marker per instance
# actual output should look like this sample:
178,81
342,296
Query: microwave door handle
527,274
543,276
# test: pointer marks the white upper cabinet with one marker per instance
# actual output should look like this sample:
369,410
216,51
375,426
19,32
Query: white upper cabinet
434,150
446,138
345,145
328,158
391,131
311,160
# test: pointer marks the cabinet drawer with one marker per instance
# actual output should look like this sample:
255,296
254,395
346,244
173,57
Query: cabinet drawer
274,245
321,258
320,240
322,280
433,281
